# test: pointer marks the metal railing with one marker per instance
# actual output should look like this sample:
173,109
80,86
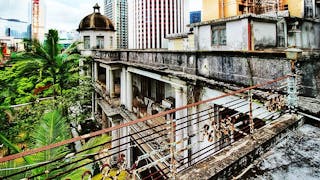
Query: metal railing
154,147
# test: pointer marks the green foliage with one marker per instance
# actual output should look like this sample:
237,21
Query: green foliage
51,129
12,165
15,163
14,148
43,72
44,66
76,174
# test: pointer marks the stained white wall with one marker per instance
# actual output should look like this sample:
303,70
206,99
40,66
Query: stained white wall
237,35
204,37
93,37
264,34
310,35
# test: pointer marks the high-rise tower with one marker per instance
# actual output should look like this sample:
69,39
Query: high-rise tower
151,20
35,19
117,11
38,20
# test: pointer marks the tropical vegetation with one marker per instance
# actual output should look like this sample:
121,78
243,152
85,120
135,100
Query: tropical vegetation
42,101
41,80
41,95
53,128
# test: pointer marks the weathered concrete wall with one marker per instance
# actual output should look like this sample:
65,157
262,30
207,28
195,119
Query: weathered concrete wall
93,39
307,35
309,69
242,153
234,67
265,34
204,37
237,34
310,35
237,68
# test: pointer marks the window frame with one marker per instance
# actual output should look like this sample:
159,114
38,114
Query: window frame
86,42
221,36
100,39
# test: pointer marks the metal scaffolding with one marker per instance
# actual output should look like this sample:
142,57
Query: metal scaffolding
263,6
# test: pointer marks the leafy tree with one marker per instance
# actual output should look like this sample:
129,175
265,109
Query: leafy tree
45,65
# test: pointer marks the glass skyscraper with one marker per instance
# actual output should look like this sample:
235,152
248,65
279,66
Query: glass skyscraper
15,28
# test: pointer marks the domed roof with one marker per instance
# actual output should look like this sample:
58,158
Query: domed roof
96,21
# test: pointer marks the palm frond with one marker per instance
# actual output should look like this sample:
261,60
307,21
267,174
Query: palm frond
93,142
39,51
12,164
13,147
87,151
52,129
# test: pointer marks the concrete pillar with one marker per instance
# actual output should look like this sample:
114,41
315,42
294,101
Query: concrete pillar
81,64
107,79
217,122
129,91
123,86
115,134
126,145
92,104
285,30
181,100
111,83
95,71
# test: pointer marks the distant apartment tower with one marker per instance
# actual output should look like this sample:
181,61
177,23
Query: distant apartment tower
195,16
117,11
151,20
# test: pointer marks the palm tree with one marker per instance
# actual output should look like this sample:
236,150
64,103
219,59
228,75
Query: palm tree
61,66
52,70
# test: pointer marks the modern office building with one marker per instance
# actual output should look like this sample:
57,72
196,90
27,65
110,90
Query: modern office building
117,11
14,28
195,16
151,21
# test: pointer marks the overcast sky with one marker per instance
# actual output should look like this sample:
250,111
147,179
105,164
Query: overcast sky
61,14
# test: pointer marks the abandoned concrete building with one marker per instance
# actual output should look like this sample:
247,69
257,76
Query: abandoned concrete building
137,84
205,108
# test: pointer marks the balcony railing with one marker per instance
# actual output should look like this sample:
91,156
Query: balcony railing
168,142
240,67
